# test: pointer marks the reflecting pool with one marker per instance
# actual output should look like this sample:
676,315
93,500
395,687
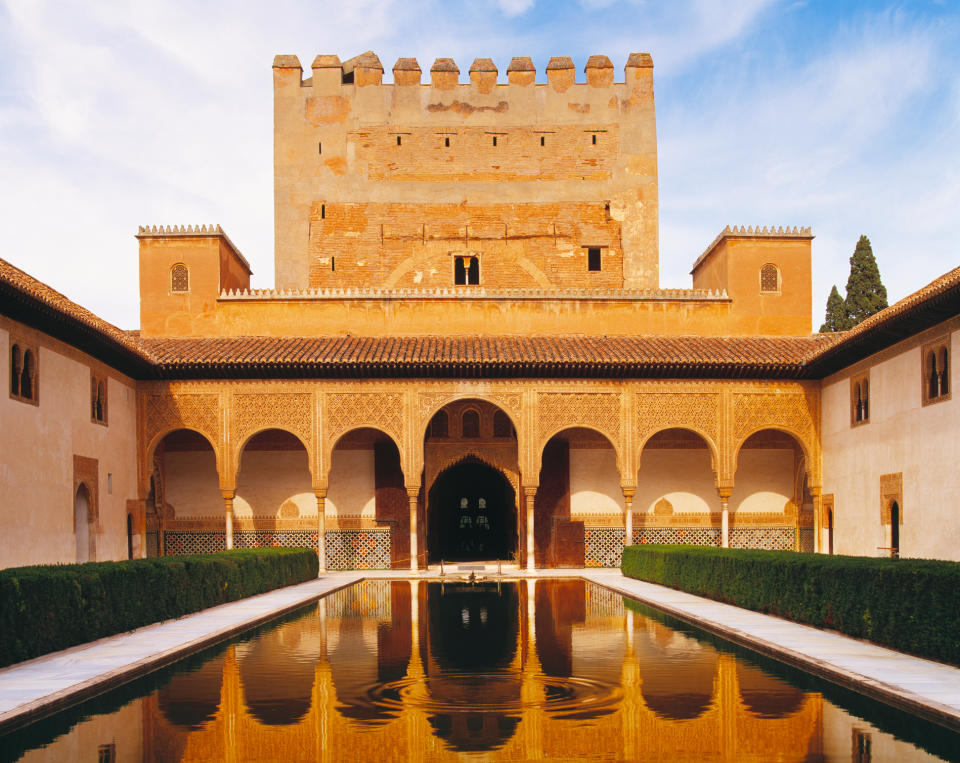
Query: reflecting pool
528,670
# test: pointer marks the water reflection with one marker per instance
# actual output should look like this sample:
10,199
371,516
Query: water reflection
423,671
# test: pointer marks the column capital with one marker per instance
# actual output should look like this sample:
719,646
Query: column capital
228,495
725,492
815,490
320,492
413,492
629,491
530,491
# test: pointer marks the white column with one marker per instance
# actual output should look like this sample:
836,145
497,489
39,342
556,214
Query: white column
228,518
628,494
322,530
530,494
725,518
414,496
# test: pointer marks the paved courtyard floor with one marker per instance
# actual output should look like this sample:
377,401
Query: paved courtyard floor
43,685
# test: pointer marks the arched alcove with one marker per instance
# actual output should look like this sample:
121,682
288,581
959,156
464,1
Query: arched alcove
81,523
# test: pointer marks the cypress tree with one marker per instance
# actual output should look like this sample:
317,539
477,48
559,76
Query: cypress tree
866,294
836,317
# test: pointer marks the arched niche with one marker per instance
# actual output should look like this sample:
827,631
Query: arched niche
81,525
277,671
273,483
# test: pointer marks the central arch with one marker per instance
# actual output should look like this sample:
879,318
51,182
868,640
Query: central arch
471,514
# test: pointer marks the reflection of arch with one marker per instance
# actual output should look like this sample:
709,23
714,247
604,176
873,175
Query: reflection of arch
707,440
192,698
277,682
766,696
678,673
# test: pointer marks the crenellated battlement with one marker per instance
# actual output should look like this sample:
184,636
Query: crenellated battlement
366,69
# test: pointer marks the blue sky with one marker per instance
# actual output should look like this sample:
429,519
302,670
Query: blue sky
844,116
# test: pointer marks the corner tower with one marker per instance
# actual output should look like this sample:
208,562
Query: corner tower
437,184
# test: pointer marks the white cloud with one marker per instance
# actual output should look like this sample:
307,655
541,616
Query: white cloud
515,7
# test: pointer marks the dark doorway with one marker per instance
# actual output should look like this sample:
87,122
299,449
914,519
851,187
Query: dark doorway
895,529
472,515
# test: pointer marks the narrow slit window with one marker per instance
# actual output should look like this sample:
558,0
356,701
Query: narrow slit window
27,385
323,211
319,147
15,363
333,264
459,272
543,140
594,137
593,259
446,142
494,140
399,142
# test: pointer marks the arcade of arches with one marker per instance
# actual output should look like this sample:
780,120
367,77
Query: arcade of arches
407,473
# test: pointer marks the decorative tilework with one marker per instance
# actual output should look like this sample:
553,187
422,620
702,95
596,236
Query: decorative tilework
603,546
806,540
690,536
274,538
194,542
358,549
767,538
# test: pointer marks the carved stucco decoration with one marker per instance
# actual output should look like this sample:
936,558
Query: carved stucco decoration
255,412
431,402
793,413
165,413
503,458
352,410
697,411
596,410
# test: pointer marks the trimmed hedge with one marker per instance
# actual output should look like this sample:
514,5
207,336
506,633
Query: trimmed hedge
912,605
46,608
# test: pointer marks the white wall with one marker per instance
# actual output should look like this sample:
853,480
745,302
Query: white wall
352,488
764,480
268,479
684,476
594,482
192,484
903,435
37,445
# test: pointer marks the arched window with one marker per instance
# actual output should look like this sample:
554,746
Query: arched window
459,272
15,361
27,376
439,425
470,424
502,426
769,278
860,400
98,399
936,372
179,279
473,272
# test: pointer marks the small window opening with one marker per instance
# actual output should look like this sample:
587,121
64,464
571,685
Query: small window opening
470,424
129,536
323,211
861,747
319,147
594,139
494,140
98,401
769,278
459,272
829,531
107,753
109,483
179,279
333,264
895,529
398,140
861,401
933,378
543,140
593,259
446,142
944,372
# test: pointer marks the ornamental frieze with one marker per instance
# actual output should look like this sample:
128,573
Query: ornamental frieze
788,412
697,411
351,410
596,410
165,413
291,411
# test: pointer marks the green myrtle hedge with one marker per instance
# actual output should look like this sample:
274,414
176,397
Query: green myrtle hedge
46,608
912,605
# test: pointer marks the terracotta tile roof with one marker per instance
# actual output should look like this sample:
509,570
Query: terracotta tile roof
25,298
935,302
472,356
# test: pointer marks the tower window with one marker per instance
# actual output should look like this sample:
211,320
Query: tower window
323,211
769,278
446,142
333,264
319,147
16,362
594,141
466,271
98,400
179,279
593,259
494,140
398,140
543,140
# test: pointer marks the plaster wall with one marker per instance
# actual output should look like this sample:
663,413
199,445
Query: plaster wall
764,481
274,484
37,448
902,436
594,482
352,488
684,477
192,484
